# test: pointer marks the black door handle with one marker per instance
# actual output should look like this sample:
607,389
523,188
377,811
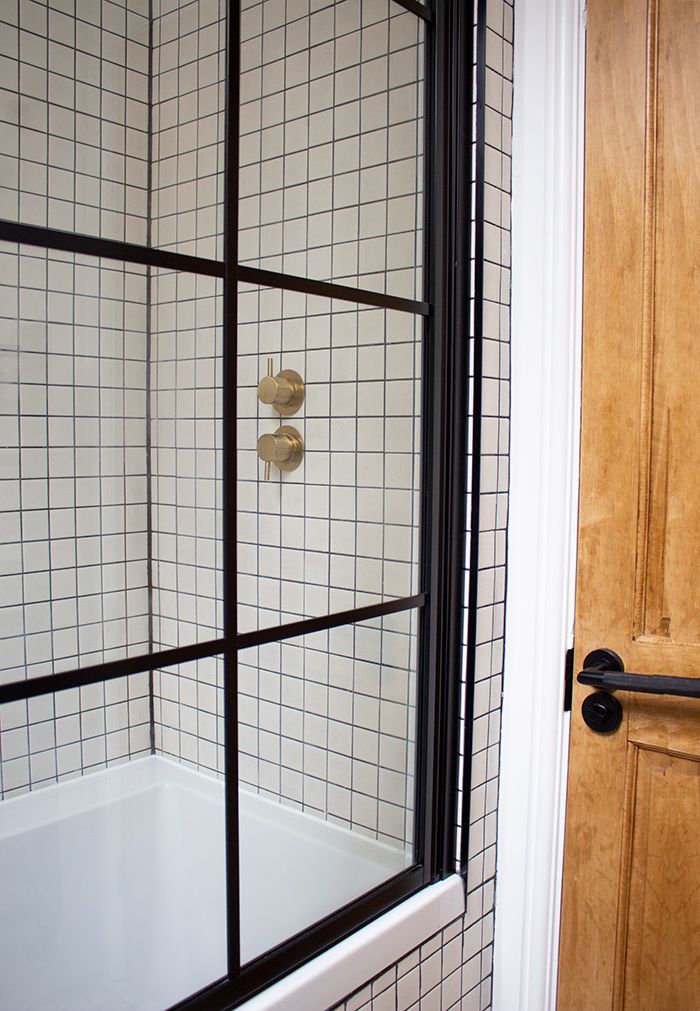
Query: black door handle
604,669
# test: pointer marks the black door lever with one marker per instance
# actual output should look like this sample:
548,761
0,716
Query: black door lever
604,669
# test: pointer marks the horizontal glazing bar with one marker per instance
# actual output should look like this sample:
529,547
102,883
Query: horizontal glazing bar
110,249
326,289
417,8
129,252
62,680
76,678
308,625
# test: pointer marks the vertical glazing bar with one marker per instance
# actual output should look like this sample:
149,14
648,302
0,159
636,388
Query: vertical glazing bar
229,408
433,269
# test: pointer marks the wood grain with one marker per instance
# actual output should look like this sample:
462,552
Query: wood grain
644,562
670,482
657,620
638,580
609,484
662,954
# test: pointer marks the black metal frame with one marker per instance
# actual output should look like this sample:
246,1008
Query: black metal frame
476,412
449,48
448,252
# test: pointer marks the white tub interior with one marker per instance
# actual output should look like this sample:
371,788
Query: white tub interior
112,888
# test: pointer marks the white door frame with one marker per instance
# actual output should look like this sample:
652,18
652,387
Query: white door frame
546,328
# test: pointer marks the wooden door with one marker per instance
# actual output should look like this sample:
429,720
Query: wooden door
631,905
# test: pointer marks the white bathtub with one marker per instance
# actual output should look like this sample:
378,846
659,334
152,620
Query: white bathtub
112,886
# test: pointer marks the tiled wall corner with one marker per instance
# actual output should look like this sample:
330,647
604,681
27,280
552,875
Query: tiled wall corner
331,152
74,584
187,148
74,92
331,164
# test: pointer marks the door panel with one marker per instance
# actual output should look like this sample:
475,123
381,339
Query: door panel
669,506
659,880
631,904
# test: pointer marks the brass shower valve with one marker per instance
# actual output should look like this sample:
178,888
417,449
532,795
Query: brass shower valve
284,448
284,392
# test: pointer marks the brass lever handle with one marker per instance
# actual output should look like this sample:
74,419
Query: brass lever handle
284,448
284,392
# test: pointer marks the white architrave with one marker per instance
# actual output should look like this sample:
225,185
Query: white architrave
546,328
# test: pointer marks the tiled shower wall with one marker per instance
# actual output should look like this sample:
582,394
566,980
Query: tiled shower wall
453,969
331,153
331,171
331,141
346,78
284,752
73,527
187,148
74,80
339,533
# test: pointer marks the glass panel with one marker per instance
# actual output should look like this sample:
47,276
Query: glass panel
186,458
110,504
113,884
189,66
74,116
340,531
331,179
74,462
188,714
87,92
326,754
54,738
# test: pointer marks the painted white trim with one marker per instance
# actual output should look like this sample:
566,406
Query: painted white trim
325,980
546,311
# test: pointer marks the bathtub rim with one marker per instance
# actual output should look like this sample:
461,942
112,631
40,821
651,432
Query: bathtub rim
340,971
322,981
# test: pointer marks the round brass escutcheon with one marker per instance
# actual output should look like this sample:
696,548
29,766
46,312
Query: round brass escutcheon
284,448
284,392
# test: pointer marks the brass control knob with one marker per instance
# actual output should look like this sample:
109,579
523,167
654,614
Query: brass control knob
284,448
284,392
